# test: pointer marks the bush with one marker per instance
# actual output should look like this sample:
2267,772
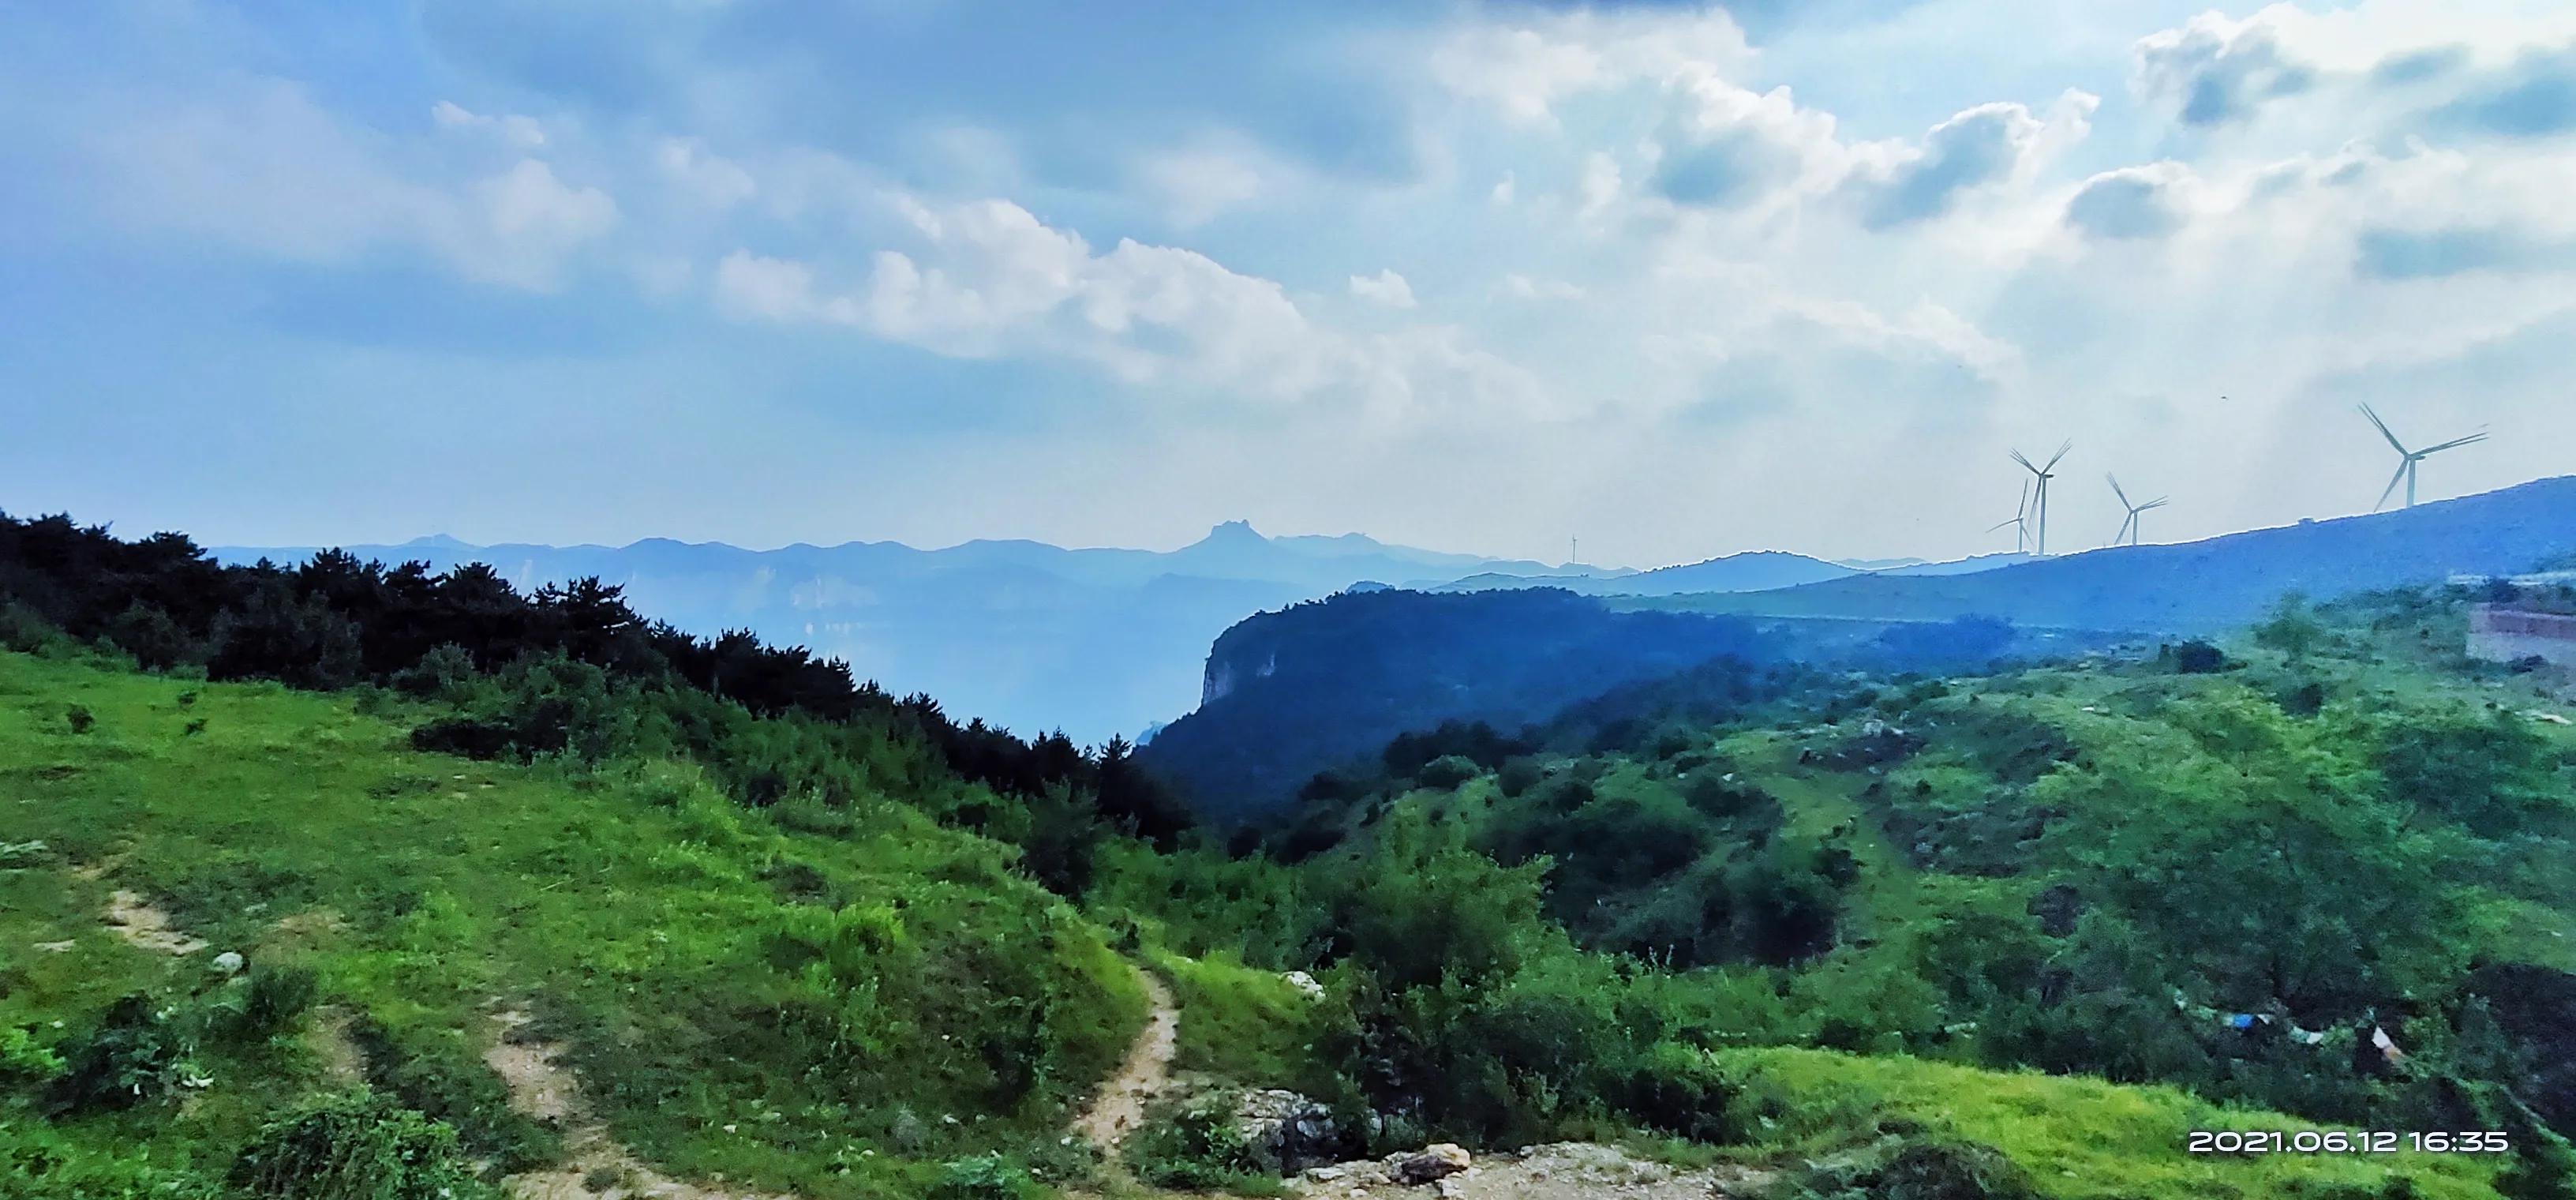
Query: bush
1195,1147
138,1052
277,998
1447,772
156,642
355,1147
985,1177
80,719
444,671
23,1059
2197,657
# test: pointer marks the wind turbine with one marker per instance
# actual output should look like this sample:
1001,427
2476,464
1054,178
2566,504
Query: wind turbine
2129,528
2020,523
2408,458
2039,493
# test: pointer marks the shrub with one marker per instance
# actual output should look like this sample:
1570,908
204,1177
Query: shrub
2197,657
1194,1147
156,642
79,718
454,1089
444,671
985,1177
24,1059
1520,775
1447,772
138,1052
277,997
354,1147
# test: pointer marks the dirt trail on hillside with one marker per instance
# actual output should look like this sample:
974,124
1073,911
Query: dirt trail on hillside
139,921
1119,1106
1563,1171
542,1087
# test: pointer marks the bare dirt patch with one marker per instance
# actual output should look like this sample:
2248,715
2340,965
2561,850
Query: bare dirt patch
142,923
542,1087
1562,1171
1119,1106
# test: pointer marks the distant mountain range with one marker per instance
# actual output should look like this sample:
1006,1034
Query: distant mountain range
1294,692
2198,587
1023,634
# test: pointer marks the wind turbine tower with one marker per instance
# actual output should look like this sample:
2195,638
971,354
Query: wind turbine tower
2020,523
2039,494
2129,528
2406,459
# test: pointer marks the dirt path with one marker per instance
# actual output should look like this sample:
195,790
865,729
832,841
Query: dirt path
142,923
1119,1106
542,1087
1563,1171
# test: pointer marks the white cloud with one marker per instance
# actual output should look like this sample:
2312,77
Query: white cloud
991,279
710,179
1522,287
513,130
1384,288
258,165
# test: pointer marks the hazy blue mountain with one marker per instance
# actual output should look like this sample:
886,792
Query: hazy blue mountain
1956,566
1021,633
1754,571
2213,584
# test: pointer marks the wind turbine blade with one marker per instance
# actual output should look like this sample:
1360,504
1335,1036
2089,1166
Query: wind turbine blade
2393,481
2003,524
2383,429
2018,457
2115,489
2061,453
2472,438
2158,502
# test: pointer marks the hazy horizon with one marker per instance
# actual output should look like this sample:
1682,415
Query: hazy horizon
1676,280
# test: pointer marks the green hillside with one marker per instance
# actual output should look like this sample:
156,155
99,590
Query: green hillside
530,893
821,1000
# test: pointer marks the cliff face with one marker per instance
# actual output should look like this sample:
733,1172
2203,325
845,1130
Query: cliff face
1289,693
1223,672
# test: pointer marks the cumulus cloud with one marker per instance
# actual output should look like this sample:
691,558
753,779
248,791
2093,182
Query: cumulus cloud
2133,202
2216,70
991,279
1978,148
1726,146
2533,97
1386,288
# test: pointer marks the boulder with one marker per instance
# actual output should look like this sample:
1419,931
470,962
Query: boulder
1287,1128
229,962
1439,1160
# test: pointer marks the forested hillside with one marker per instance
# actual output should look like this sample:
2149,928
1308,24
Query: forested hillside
345,882
1295,692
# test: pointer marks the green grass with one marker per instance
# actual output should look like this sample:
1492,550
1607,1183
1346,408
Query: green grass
2080,1139
823,1001
1239,1023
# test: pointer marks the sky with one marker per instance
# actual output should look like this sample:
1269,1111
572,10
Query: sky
1676,280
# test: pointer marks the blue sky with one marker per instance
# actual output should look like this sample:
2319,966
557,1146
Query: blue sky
1679,280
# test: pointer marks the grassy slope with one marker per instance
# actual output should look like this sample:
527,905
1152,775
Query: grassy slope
711,967
2080,1139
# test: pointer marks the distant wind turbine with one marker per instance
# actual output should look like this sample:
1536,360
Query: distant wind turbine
2408,458
2020,523
2129,528
2039,494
